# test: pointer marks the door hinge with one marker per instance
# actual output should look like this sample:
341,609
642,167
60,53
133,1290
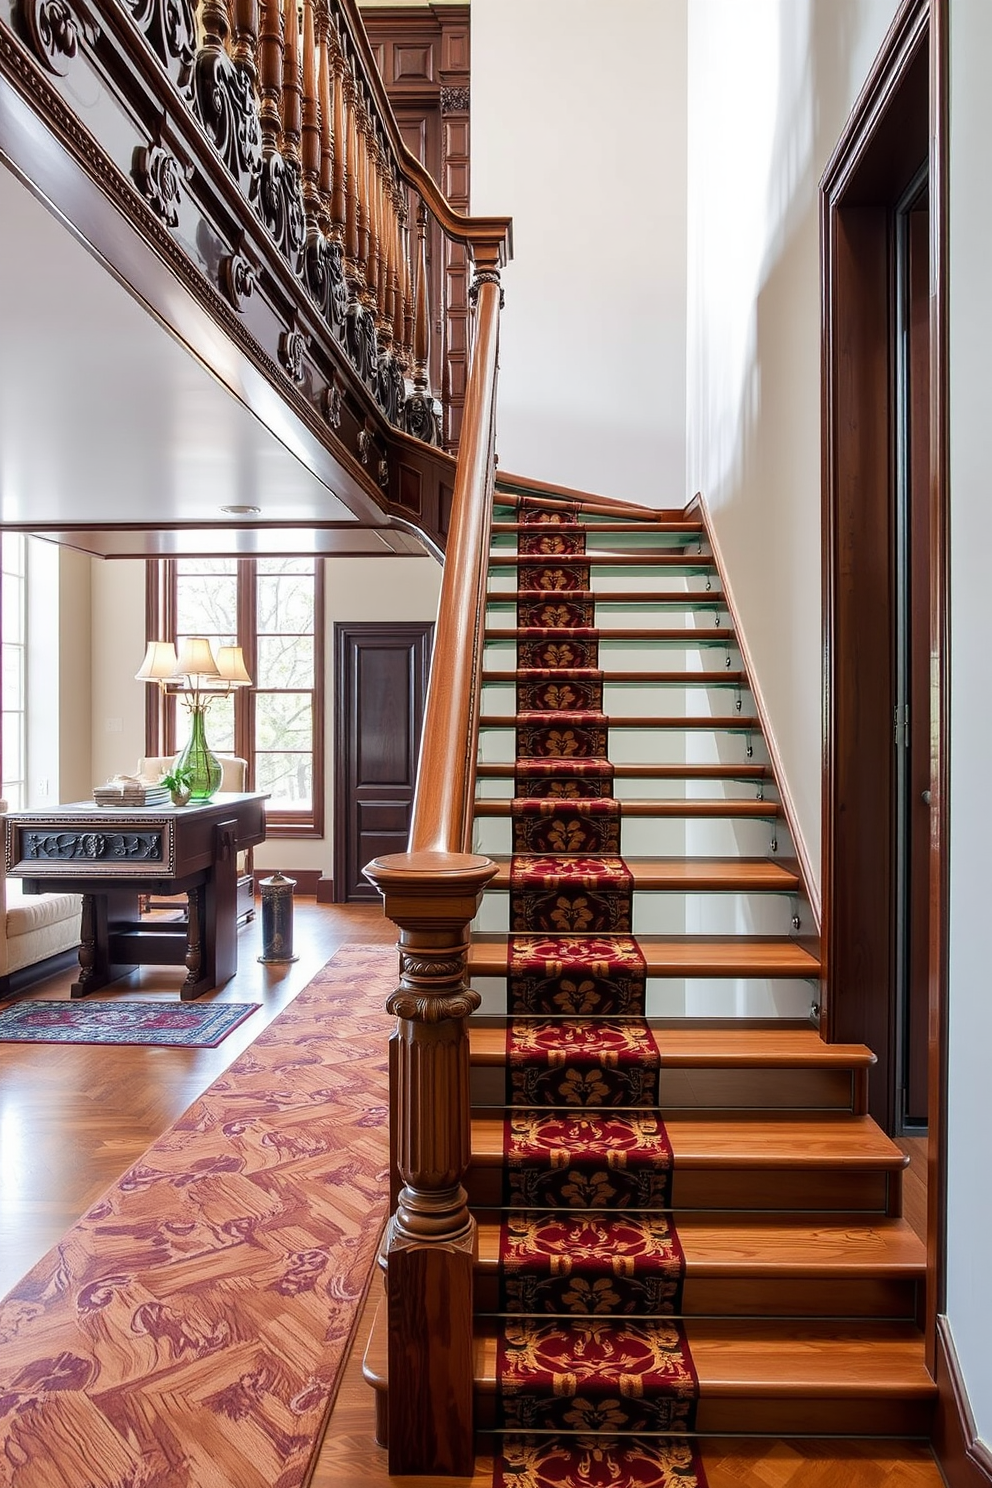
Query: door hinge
900,720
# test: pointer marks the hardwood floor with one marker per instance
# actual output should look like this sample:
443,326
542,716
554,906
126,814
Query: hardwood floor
72,1118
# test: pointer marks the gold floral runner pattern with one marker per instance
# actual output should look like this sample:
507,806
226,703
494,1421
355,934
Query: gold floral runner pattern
598,1462
189,1331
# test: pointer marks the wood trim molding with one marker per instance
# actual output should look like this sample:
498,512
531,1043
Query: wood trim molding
307,880
810,884
940,619
965,1460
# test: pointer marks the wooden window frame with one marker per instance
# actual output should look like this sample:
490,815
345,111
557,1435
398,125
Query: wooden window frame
161,734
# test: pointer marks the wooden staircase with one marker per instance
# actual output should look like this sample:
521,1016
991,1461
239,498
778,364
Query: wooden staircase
802,1284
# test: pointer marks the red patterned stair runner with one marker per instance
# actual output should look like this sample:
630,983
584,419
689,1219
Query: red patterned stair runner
591,1354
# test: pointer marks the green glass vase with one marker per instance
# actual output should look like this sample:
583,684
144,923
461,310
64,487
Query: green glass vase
199,758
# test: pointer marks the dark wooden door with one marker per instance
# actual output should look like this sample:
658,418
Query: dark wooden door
911,1106
380,682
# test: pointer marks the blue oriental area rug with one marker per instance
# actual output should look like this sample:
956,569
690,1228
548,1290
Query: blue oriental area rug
172,1023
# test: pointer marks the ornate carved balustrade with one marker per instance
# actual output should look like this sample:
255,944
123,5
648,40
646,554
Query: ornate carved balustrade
251,142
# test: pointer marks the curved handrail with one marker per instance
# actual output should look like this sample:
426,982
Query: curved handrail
442,811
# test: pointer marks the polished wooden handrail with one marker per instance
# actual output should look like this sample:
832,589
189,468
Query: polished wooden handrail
442,812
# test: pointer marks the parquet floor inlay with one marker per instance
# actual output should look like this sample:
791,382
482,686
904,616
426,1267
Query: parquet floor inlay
190,1327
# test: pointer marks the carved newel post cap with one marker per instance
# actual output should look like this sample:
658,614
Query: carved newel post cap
437,885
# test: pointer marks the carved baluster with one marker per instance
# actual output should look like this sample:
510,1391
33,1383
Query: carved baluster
270,48
339,187
407,260
310,126
325,175
399,261
387,215
422,316
432,1238
351,197
245,38
362,160
292,89
372,262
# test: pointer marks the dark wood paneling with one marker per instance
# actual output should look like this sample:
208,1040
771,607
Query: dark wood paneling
424,57
380,685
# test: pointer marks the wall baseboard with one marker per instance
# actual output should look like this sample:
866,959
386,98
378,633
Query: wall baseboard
325,890
306,879
964,1459
698,506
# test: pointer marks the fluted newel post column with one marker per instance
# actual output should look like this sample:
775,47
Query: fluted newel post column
432,897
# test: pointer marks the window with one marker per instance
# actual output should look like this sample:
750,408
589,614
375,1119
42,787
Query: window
273,609
14,669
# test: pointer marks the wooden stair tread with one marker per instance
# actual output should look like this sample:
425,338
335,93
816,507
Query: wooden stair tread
740,875
641,721
679,807
715,634
623,558
711,678
503,770
683,956
708,598
745,1141
519,490
770,1245
808,1357
707,1048
688,529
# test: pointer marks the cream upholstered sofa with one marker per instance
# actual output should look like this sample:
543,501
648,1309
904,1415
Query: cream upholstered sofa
32,926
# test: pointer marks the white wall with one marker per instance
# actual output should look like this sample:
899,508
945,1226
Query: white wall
771,84
578,133
355,589
969,1198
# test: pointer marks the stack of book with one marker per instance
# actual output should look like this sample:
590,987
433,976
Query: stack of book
127,791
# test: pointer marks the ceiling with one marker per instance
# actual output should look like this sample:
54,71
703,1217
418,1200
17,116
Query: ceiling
107,420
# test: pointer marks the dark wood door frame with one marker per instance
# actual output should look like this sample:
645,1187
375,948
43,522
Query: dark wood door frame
381,670
899,120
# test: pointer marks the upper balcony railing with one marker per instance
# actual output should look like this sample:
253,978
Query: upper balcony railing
259,134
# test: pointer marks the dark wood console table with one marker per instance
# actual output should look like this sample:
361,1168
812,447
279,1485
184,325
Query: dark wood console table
111,856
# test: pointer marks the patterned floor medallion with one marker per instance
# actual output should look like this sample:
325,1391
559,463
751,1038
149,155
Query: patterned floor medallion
591,1267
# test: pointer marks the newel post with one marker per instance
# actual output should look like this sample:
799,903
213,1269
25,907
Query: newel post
431,1241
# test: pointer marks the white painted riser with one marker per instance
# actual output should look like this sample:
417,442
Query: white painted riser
695,997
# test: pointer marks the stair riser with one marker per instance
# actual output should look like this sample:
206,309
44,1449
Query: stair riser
655,746
503,788
825,1191
696,997
720,1089
635,699
659,837
770,1297
667,912
620,610
752,1415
